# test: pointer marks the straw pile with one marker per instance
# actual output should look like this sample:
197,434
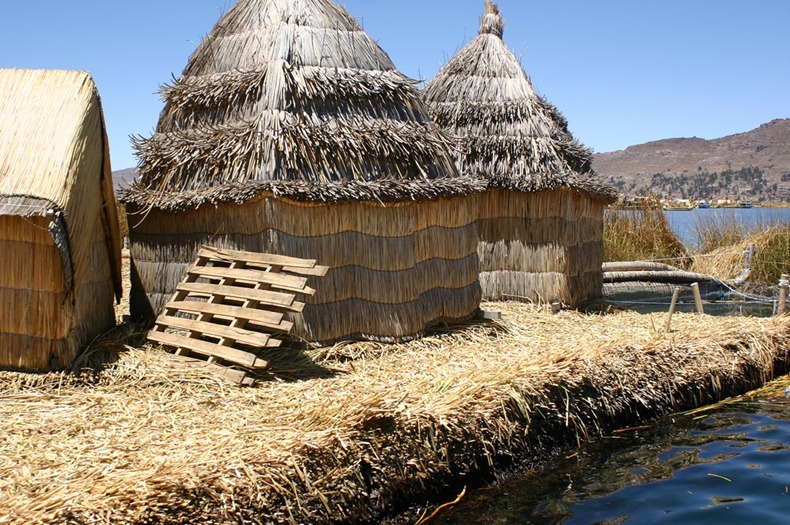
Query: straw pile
359,430
291,132
539,176
59,241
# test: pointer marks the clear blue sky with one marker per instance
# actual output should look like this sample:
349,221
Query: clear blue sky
622,71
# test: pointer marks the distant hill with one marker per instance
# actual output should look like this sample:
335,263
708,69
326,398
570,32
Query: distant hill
747,166
123,178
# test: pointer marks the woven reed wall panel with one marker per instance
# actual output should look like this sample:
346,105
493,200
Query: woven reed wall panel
24,352
308,220
33,302
416,264
33,313
30,266
541,287
553,238
540,257
350,282
547,230
338,250
376,321
572,205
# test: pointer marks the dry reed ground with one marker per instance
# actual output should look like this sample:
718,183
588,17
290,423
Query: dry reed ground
145,439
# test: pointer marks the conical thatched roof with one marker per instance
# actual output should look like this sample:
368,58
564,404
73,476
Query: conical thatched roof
508,134
292,97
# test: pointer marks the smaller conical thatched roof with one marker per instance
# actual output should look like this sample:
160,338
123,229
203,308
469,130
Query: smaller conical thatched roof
292,98
507,133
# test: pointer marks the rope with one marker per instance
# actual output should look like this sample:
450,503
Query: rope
752,297
658,303
699,256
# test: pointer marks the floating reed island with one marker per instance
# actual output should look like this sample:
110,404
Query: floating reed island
291,132
355,432
540,221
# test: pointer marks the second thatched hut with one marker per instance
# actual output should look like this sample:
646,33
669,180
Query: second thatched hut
541,220
291,132
60,251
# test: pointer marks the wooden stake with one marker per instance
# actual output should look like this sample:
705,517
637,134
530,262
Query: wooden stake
697,298
784,285
675,297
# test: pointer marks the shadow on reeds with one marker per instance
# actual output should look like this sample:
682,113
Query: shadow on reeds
291,364
350,351
106,349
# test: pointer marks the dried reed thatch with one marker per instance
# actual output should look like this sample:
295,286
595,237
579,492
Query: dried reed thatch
60,258
291,132
146,440
541,220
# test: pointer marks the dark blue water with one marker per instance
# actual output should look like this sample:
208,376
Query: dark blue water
728,466
684,224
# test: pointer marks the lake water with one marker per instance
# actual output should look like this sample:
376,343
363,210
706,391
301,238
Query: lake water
684,223
725,467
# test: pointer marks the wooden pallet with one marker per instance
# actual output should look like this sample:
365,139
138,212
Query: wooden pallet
230,305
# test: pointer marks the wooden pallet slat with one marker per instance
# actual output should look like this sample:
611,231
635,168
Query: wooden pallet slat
205,348
290,283
266,297
293,264
243,303
273,320
246,337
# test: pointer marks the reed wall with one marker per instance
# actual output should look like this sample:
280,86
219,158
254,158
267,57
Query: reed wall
44,324
540,246
395,269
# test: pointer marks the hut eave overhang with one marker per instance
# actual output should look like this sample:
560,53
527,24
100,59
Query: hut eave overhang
378,191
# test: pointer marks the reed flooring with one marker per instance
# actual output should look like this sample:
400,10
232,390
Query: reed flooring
352,432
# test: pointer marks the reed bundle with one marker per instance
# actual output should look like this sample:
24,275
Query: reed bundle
354,432
59,235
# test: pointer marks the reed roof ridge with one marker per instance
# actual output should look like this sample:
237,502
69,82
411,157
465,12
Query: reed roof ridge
492,22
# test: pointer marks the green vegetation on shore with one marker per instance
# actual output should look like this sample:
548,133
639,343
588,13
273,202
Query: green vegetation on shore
644,234
640,235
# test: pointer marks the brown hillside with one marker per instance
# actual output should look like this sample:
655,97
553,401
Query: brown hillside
753,165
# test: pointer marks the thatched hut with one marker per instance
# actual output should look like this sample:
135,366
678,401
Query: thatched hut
541,220
60,261
290,131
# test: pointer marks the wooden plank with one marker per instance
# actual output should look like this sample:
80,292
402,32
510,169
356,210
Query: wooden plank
256,258
231,355
266,297
290,283
247,337
318,271
265,318
238,377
